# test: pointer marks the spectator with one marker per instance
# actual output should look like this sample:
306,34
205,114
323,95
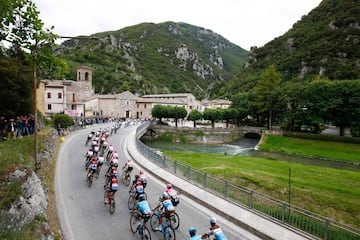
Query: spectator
12,129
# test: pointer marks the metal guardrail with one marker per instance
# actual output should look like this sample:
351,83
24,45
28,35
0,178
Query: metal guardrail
278,211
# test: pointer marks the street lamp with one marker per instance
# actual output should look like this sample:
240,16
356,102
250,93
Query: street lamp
34,54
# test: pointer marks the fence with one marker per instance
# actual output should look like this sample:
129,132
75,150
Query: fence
278,211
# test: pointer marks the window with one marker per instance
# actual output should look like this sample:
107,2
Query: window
86,76
73,97
48,95
59,95
144,105
49,107
73,107
137,105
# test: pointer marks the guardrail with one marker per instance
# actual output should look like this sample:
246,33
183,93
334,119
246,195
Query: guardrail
276,210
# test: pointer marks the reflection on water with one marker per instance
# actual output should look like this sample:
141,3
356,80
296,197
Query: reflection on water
241,146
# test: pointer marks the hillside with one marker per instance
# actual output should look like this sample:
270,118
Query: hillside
156,58
325,42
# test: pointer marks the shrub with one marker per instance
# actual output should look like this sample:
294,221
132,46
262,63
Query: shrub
64,120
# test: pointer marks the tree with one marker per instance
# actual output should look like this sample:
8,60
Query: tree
268,92
63,120
212,115
177,113
159,111
229,114
194,115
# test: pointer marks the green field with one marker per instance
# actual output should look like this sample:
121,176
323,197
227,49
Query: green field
349,152
330,192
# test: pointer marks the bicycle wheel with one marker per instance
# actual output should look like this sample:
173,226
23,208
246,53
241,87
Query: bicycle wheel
154,221
169,233
128,180
131,202
89,179
133,223
112,206
146,234
175,220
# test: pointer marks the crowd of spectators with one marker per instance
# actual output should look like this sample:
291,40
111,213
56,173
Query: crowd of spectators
16,127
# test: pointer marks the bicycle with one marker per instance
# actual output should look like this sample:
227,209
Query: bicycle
139,227
126,178
110,201
89,178
131,199
167,229
174,218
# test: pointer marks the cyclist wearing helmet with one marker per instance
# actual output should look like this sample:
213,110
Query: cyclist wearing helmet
193,235
110,174
166,207
143,178
92,168
173,194
111,188
128,166
215,230
142,208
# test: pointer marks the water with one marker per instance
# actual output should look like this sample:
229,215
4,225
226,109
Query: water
241,146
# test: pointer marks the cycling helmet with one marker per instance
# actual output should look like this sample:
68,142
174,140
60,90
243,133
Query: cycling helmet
165,195
168,186
137,176
141,197
192,231
114,180
212,220
113,168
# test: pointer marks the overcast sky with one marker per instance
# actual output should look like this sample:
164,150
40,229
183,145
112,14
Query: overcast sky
243,22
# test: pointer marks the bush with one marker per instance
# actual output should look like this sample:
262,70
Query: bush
64,120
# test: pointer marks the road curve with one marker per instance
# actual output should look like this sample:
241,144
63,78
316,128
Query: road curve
83,214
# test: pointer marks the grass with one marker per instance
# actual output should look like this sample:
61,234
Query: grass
19,154
349,152
329,192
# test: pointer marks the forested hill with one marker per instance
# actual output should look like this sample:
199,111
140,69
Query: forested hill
156,58
325,42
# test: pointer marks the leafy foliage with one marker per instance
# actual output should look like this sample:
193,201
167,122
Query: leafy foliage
63,120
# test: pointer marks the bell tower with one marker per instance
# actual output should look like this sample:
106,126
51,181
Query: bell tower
84,74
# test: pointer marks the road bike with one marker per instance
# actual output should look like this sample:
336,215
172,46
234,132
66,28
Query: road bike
174,219
138,224
110,201
167,229
125,178
132,196
89,178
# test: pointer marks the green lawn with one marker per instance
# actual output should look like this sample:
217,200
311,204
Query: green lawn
349,152
329,192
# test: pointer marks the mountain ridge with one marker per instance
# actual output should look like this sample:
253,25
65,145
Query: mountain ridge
150,58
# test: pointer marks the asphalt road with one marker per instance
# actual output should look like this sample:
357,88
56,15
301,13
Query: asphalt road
81,209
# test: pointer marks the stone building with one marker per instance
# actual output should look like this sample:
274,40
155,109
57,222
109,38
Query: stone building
66,96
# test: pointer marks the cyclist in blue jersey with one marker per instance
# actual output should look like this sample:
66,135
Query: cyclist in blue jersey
166,206
215,230
193,235
143,210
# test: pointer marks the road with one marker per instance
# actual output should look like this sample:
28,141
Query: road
81,209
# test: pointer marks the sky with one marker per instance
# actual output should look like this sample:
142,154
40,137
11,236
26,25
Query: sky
245,23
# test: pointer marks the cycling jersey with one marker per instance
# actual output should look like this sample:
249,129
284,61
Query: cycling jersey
169,207
143,207
218,233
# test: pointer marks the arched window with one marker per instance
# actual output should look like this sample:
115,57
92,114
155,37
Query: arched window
86,76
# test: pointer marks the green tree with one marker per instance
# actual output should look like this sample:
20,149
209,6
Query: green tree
177,113
212,115
194,115
268,93
159,111
229,114
63,120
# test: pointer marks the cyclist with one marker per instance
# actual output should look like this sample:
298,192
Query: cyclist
173,194
89,154
143,178
92,168
111,189
166,207
193,235
215,230
109,150
110,174
100,161
127,167
143,210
